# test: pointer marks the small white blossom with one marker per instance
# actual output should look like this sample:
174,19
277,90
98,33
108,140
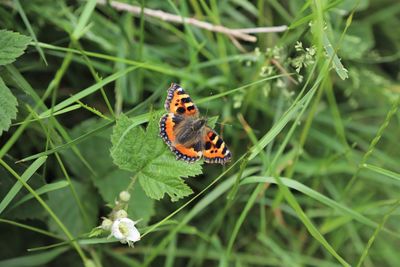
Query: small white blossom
125,231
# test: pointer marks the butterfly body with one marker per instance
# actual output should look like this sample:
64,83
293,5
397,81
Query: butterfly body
187,134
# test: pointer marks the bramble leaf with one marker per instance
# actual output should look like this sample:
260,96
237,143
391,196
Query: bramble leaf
12,45
145,154
109,181
8,107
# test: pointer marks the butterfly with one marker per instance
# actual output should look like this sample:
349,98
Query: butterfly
187,134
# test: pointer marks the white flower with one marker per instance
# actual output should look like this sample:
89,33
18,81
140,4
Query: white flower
125,231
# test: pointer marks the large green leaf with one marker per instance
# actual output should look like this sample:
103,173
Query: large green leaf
109,180
150,160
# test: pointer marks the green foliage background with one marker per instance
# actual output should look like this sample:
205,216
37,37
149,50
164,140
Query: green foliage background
310,115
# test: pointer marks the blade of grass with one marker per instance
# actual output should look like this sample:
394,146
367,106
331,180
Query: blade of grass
287,260
62,111
376,232
88,91
31,228
318,197
29,27
96,77
42,190
385,172
372,145
83,19
39,259
164,69
17,186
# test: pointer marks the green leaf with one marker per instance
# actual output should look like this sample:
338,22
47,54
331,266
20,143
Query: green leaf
110,180
12,45
145,154
8,106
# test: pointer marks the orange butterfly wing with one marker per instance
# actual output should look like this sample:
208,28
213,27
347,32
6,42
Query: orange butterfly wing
179,102
215,149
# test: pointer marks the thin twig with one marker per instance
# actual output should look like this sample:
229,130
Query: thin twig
236,43
283,71
235,33
281,28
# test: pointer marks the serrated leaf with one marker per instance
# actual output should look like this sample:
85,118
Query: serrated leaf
8,107
12,45
150,160
110,181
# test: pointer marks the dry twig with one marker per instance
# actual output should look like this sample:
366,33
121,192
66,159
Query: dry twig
242,34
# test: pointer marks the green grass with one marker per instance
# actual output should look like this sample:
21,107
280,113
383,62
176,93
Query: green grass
310,115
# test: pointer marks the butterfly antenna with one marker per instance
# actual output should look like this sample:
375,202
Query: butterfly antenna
224,124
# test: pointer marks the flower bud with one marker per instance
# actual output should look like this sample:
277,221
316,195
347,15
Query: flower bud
124,196
106,224
120,214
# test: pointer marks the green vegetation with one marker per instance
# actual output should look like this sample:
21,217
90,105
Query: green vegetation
309,109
